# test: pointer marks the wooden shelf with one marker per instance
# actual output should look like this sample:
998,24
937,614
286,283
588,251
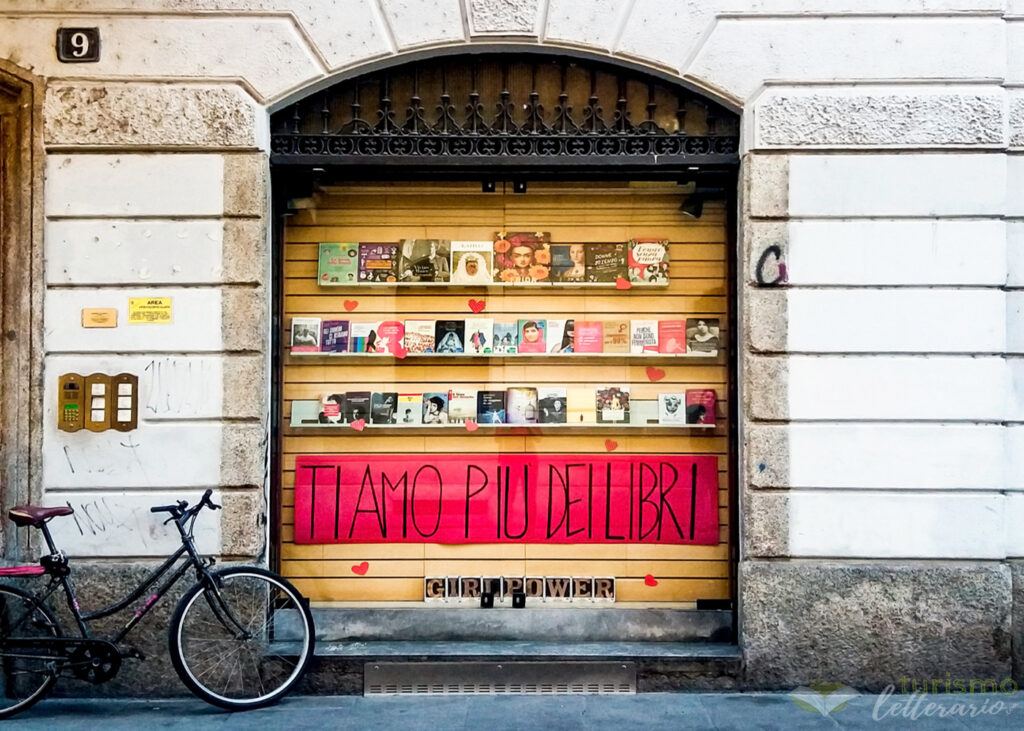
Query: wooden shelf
495,285
505,427
502,356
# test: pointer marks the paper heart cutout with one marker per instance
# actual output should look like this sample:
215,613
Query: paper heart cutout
401,352
623,283
611,445
477,306
471,425
649,580
358,424
361,568
351,304
655,374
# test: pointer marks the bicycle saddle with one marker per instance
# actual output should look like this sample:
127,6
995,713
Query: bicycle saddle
35,515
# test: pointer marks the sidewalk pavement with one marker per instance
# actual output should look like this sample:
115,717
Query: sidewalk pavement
675,711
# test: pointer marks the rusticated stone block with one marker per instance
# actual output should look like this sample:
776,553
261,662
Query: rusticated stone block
766,449
766,319
243,524
765,181
245,184
243,459
243,319
244,251
765,524
245,387
503,16
766,388
1017,569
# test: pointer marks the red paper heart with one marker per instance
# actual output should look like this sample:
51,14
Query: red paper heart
401,352
623,283
358,424
471,425
611,445
351,304
655,374
361,568
649,580
477,306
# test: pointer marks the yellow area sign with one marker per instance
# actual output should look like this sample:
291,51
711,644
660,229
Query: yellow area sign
149,310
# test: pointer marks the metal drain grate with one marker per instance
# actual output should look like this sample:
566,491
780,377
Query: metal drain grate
506,678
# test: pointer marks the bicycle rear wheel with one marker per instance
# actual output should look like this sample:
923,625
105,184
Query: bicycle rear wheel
26,673
243,643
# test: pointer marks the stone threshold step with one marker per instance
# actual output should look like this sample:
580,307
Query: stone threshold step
507,650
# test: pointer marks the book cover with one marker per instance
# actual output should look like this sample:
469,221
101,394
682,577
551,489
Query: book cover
410,409
568,263
643,336
357,406
490,407
606,262
419,336
338,265
390,335
580,404
461,405
521,405
522,258
435,408
551,405
532,336
671,408
473,262
506,337
671,336
363,337
643,412
377,263
561,336
613,405
588,336
450,336
702,336
305,335
424,260
647,261
479,335
616,336
700,406
383,408
334,336
331,409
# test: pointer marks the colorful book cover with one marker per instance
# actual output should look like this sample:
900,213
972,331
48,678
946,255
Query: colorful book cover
479,335
702,336
377,263
383,408
568,263
461,405
331,408
700,406
390,335
616,336
435,408
450,336
490,407
643,336
357,406
522,258
561,336
551,405
613,405
589,336
521,405
410,409
338,265
419,336
473,262
424,260
671,336
506,337
305,335
671,408
363,337
580,404
532,336
606,262
647,262
334,336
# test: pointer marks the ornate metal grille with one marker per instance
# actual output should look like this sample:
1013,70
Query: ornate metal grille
487,110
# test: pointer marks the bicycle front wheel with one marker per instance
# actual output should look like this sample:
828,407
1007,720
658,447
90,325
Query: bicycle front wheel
244,642
27,671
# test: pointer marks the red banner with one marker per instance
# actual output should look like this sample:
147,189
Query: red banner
508,498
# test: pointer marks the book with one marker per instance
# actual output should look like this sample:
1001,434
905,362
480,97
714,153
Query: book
531,336
435,408
521,405
506,337
479,335
461,405
616,336
643,336
377,262
647,262
363,337
338,265
450,336
702,336
606,262
580,405
424,260
700,406
522,258
383,408
305,335
560,337
671,336
568,263
357,405
643,412
551,405
331,408
390,335
588,336
671,408
410,409
334,336
490,407
612,405
419,336
472,262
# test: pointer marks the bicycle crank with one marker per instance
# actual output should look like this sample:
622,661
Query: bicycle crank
96,661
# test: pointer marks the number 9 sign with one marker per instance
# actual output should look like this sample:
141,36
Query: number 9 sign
78,45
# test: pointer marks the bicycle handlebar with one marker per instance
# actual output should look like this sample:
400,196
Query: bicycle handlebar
181,509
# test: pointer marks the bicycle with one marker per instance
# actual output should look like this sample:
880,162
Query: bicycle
240,637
